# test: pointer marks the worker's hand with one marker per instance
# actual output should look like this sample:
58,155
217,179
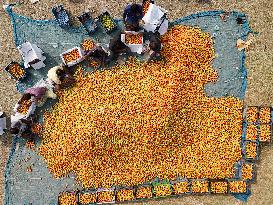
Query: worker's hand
57,87
141,23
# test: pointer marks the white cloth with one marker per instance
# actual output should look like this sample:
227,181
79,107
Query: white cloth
52,75
44,83
16,118
48,84
40,64
153,15
153,18
31,52
49,93
164,27
3,124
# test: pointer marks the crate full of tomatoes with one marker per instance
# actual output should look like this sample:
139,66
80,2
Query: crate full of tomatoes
87,197
15,70
133,38
72,56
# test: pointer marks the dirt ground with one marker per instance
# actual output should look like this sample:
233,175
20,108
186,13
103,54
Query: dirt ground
259,64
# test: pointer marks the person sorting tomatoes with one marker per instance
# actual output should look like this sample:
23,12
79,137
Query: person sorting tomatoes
118,49
152,52
23,129
61,77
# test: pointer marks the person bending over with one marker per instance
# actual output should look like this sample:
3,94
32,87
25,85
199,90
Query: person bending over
154,48
132,16
60,77
100,56
118,48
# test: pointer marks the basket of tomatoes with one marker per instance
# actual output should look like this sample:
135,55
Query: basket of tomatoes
88,45
125,194
67,198
106,196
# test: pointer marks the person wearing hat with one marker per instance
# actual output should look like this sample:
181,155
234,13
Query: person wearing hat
132,16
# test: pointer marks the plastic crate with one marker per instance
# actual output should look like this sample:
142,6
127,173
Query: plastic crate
138,48
247,116
120,197
254,170
110,191
123,38
13,63
74,61
68,192
91,192
148,192
88,22
251,132
218,186
61,16
270,115
195,183
86,46
246,145
181,186
262,128
233,182
108,31
156,188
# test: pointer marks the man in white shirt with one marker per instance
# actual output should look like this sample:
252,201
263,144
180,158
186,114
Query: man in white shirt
52,75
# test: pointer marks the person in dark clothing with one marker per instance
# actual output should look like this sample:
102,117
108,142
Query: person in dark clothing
100,56
66,78
117,47
132,16
154,46
23,127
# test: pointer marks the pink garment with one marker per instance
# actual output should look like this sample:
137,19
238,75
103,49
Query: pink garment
38,92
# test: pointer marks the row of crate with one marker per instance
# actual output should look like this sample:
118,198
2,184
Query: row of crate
257,130
63,19
160,189
69,57
258,114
